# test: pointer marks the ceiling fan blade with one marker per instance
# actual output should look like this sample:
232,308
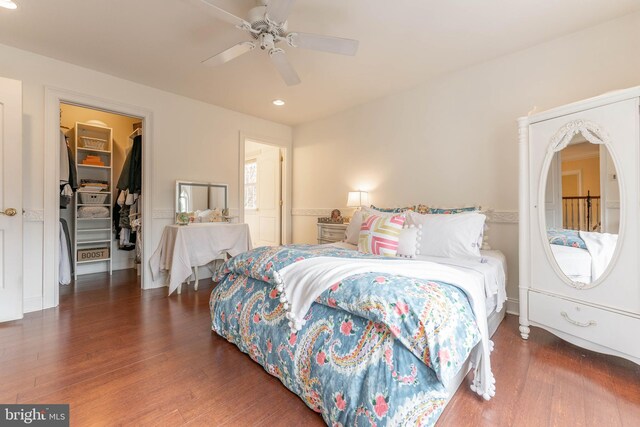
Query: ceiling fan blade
229,54
324,43
278,10
209,7
281,62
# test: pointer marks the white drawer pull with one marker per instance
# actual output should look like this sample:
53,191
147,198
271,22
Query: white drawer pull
570,320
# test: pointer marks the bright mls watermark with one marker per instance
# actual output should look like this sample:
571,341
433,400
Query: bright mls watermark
34,415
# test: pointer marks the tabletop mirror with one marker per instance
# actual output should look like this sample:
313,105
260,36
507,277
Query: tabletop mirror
200,197
582,207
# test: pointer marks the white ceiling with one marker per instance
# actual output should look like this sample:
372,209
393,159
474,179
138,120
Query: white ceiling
403,43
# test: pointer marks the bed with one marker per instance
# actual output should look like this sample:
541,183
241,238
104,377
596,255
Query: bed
375,347
582,256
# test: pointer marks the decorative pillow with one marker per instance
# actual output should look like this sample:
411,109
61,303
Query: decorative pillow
391,210
564,237
352,232
380,235
450,236
353,229
408,244
447,211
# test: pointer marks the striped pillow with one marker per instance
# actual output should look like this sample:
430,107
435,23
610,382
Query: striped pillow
380,235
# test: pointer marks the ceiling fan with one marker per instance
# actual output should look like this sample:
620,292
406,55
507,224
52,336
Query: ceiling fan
267,25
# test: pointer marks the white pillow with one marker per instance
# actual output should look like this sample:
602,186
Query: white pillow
408,243
450,236
353,229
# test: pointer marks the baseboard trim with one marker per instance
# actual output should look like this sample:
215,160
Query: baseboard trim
32,304
513,306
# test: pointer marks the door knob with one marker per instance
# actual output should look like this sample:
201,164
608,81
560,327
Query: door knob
9,212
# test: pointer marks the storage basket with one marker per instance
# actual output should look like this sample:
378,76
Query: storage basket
92,198
93,254
94,143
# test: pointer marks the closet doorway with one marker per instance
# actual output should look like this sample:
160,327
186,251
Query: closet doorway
263,192
100,172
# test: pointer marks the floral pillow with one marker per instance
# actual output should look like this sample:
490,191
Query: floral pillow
444,211
392,210
563,237
380,235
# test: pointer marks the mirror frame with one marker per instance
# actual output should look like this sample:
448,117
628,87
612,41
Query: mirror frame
594,134
179,184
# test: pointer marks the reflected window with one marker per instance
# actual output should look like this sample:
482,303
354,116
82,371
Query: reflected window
183,201
251,184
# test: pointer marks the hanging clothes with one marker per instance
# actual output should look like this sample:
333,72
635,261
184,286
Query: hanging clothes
131,175
67,235
64,263
126,206
68,173
64,160
73,171
65,196
135,171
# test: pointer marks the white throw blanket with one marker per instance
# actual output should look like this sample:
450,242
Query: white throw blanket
490,269
601,247
302,282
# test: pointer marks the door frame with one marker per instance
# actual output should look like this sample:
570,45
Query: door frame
52,98
286,176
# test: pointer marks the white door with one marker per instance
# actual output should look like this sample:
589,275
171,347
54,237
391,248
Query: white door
10,199
269,198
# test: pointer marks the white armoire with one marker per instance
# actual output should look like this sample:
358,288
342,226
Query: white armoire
580,280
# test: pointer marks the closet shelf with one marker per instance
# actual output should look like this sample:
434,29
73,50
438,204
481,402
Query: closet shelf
93,141
95,150
91,242
93,260
93,166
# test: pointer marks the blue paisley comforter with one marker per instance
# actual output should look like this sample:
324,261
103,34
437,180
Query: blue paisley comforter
376,349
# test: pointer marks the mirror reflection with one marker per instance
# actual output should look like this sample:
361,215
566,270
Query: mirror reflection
582,209
200,197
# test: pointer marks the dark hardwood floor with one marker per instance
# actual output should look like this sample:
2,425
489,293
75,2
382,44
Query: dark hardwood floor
120,356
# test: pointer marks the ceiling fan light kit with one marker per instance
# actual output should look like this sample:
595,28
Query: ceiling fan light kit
267,24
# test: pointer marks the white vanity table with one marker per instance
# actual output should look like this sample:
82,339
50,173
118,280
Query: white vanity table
185,246
596,307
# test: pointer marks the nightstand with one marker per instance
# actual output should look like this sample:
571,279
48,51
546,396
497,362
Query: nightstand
331,233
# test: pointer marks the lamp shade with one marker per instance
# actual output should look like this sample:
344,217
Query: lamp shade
357,199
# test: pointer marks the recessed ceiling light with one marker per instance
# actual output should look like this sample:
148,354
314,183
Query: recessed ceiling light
278,102
8,4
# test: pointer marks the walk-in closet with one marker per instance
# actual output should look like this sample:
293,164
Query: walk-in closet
101,222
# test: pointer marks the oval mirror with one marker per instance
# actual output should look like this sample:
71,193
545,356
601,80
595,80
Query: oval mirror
582,208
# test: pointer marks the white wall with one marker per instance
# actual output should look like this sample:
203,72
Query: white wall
192,141
454,140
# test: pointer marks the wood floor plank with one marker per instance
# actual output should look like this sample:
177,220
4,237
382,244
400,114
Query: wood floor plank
120,356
